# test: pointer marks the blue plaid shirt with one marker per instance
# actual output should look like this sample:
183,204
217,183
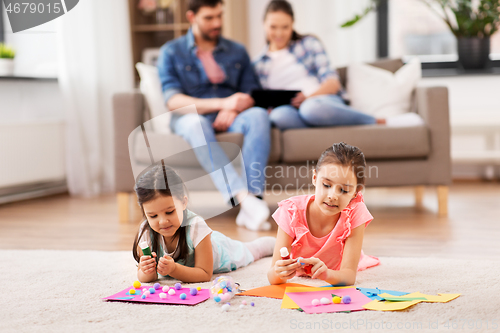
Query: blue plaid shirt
309,51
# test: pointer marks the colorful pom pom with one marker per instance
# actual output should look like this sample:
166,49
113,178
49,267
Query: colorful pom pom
198,288
137,284
325,301
152,290
143,296
171,292
178,286
163,295
193,291
252,304
165,289
242,306
336,300
244,302
346,299
131,291
147,293
315,302
225,307
217,299
182,296
156,286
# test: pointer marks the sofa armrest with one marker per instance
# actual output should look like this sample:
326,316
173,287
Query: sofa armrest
128,113
432,106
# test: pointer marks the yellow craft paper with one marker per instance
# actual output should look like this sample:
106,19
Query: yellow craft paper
389,306
287,302
442,298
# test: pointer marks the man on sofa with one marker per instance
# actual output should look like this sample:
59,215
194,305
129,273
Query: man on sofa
216,75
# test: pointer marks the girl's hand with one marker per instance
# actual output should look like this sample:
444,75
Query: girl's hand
166,265
298,99
286,269
147,264
319,269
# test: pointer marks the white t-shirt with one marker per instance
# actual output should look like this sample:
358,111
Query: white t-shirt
286,73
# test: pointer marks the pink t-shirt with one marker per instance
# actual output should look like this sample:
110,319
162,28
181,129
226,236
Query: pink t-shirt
214,73
291,218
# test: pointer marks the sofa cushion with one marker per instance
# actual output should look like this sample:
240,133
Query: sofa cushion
171,145
376,142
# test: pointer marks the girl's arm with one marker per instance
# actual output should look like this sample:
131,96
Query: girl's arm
346,275
282,270
146,270
203,264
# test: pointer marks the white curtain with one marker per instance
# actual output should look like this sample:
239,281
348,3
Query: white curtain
95,61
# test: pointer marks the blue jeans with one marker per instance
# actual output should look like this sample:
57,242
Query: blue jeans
323,110
255,126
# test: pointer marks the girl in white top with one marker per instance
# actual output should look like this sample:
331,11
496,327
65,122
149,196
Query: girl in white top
183,246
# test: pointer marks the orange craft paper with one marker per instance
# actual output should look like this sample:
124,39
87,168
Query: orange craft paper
274,291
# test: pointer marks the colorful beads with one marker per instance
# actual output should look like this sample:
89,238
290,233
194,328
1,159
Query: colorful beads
193,291
178,286
137,284
156,286
183,296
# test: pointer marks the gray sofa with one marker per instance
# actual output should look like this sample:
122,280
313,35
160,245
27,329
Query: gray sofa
409,156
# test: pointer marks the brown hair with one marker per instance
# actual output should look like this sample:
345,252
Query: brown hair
345,155
159,180
285,7
195,5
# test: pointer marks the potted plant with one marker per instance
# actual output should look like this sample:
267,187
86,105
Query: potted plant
7,55
471,21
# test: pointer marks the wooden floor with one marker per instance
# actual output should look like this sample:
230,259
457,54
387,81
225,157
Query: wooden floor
472,229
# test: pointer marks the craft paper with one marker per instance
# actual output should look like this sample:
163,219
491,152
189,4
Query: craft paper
389,306
274,291
124,296
304,300
373,293
441,298
287,302
403,298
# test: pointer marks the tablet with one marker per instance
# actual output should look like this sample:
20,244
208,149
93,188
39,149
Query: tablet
273,98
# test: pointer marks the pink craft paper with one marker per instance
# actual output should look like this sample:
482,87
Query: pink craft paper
304,300
202,296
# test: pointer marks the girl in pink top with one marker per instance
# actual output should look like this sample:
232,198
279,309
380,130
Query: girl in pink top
326,229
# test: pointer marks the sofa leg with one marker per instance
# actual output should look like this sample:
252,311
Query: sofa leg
442,192
123,199
419,196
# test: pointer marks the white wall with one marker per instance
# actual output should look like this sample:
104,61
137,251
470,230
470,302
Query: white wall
323,19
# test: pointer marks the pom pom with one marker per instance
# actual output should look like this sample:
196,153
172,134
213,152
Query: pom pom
131,291
178,286
163,295
137,284
152,290
156,286
252,304
165,289
244,302
224,287
143,296
336,300
225,307
198,288
182,296
144,289
325,301
193,291
242,306
171,292
346,299
217,299
315,302
147,293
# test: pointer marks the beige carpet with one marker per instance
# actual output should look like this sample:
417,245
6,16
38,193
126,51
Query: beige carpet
60,291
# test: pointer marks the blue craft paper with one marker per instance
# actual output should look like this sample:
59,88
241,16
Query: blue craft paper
373,293
126,298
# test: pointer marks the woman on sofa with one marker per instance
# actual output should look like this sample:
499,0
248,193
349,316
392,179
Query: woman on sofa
295,62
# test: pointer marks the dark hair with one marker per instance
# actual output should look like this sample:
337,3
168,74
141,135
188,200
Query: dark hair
345,155
195,5
285,7
160,180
